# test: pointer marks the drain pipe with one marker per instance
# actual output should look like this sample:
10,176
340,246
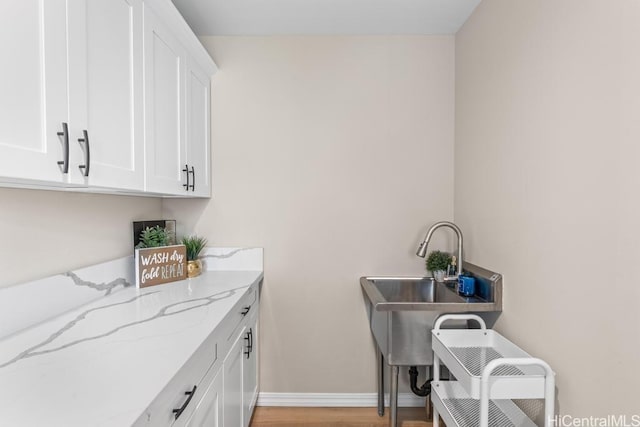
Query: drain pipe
423,391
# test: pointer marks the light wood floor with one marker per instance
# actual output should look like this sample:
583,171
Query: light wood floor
335,417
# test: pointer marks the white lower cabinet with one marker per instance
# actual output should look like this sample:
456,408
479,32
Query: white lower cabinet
241,366
250,369
208,410
218,386
233,384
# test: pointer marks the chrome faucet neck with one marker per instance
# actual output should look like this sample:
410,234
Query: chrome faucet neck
422,249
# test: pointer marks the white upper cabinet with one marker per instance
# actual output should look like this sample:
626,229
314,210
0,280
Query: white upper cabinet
106,93
33,84
164,108
198,115
177,105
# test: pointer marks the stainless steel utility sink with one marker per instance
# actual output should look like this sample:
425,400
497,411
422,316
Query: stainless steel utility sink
410,293
411,290
402,311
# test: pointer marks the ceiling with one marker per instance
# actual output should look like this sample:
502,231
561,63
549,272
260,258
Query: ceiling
325,17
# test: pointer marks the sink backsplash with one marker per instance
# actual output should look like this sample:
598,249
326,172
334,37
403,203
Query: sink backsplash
488,283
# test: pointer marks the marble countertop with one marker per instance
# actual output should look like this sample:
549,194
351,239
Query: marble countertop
102,363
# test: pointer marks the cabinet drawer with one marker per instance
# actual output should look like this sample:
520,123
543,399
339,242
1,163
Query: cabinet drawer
181,387
241,311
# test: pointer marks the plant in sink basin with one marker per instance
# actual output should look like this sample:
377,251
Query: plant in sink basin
437,263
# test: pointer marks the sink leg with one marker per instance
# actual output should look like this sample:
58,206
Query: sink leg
393,396
380,369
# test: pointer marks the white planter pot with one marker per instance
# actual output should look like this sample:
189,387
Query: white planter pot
439,275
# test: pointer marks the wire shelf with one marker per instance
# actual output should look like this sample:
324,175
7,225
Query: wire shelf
476,358
457,409
466,352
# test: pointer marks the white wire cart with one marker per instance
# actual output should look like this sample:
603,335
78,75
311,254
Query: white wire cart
489,371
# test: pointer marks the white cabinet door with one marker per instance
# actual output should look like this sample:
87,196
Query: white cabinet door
232,388
165,147
198,130
250,370
106,93
99,93
33,84
208,411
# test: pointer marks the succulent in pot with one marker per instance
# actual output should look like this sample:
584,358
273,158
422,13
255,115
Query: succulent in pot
153,237
437,263
194,245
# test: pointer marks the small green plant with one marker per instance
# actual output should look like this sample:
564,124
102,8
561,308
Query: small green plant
194,245
438,260
153,237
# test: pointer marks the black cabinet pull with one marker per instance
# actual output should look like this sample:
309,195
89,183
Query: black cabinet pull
245,310
87,154
247,338
186,170
193,178
179,411
64,163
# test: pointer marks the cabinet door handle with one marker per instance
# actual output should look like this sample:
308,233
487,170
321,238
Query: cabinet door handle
247,352
193,178
245,310
250,340
180,410
87,153
186,170
64,163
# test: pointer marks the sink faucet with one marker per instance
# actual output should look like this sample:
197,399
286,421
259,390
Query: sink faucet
422,250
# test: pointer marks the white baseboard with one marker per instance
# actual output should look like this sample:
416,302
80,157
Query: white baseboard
333,400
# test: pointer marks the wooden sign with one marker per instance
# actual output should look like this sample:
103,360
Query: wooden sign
155,266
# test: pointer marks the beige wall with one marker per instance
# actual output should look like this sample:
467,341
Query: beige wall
547,184
48,232
334,154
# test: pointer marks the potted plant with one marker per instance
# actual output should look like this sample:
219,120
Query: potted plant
157,259
194,245
153,237
437,263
